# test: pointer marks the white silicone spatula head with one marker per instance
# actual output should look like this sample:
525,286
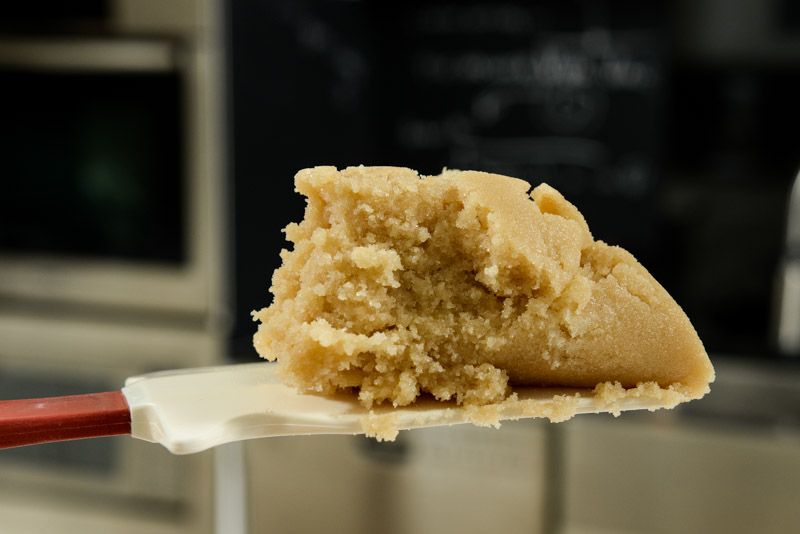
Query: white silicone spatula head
191,410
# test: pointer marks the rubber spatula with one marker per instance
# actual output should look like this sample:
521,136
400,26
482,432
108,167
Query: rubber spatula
192,410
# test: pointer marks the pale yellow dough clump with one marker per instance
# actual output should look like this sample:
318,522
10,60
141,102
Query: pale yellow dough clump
462,286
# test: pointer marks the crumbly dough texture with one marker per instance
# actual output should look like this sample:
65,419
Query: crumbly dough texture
557,406
462,286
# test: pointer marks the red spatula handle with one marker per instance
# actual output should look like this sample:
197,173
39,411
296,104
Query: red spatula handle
31,421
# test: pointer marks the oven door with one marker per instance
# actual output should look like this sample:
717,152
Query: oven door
101,196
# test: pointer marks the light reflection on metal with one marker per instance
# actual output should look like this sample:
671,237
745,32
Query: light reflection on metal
788,309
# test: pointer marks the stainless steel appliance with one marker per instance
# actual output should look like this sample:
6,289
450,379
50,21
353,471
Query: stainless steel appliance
111,243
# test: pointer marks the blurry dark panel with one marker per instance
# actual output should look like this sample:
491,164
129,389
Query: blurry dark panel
789,16
92,165
563,92
731,163
734,120
301,73
48,10
37,16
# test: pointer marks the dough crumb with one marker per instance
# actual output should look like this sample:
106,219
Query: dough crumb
465,287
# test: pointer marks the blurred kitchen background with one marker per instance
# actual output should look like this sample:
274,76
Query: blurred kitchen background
147,151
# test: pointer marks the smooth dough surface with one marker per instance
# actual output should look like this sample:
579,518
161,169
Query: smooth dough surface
462,286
